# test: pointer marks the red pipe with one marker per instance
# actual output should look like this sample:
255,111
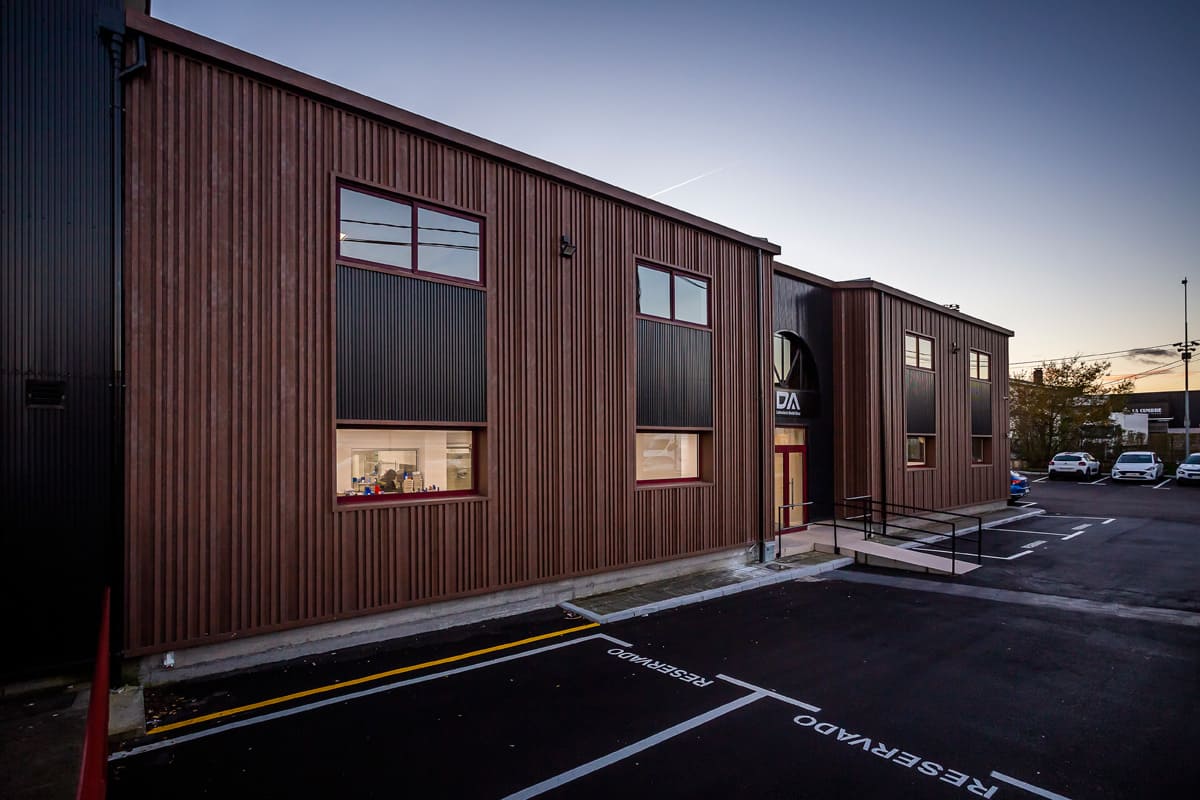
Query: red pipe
93,773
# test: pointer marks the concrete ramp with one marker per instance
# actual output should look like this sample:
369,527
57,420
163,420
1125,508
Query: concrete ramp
819,537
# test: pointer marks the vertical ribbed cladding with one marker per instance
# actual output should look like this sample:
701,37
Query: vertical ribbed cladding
957,401
409,349
674,376
55,325
232,322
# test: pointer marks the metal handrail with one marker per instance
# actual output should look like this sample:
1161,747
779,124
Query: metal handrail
779,525
953,531
866,517
869,503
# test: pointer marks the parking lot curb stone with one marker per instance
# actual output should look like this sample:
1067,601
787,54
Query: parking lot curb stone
790,574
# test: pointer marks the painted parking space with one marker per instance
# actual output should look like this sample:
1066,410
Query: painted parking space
583,742
1021,538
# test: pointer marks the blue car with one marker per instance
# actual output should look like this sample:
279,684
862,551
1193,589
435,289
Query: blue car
1018,485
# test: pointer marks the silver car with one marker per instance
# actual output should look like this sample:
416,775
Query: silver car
1138,465
1188,470
1079,464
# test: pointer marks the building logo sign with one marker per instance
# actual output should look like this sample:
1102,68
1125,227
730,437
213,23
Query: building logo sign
787,403
1155,410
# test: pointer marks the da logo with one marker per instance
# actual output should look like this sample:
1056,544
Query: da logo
787,401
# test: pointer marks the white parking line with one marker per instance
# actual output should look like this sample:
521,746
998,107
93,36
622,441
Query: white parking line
1084,526
1076,516
790,700
1029,787
961,555
633,749
1101,481
1164,483
1072,536
1039,480
1018,530
342,698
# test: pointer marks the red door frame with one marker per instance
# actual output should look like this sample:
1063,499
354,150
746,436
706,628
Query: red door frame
785,450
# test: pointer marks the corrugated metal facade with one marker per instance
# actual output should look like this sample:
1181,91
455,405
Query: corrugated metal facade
409,349
55,326
871,326
674,376
231,326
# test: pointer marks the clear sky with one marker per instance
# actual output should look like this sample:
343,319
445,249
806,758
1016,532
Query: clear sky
1037,163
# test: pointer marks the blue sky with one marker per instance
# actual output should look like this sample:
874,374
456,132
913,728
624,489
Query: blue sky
1037,163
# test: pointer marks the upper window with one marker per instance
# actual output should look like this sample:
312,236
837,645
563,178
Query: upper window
980,365
409,236
918,351
672,295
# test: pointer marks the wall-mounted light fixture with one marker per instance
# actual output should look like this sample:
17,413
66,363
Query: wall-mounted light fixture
566,247
954,347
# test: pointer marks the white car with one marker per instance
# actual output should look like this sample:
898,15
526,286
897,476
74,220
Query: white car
1139,465
1081,465
1188,470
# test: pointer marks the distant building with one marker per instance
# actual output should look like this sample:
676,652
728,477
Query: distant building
1164,411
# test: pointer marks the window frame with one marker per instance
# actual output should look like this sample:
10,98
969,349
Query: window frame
346,502
415,205
973,364
920,337
987,459
928,451
673,272
703,446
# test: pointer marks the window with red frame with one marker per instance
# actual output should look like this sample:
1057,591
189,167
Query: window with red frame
403,235
673,295
403,463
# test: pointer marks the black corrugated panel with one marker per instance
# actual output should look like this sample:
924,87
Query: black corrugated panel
674,376
807,311
920,401
55,328
409,349
981,408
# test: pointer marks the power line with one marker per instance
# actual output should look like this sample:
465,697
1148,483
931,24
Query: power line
1147,373
1090,355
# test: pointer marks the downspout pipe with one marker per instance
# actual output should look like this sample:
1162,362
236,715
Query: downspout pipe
114,31
883,439
761,396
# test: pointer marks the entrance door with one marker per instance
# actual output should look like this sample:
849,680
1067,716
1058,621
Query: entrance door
791,478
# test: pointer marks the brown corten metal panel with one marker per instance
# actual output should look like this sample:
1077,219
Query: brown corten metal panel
872,324
232,526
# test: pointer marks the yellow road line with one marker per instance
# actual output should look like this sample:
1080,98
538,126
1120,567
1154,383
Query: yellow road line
365,679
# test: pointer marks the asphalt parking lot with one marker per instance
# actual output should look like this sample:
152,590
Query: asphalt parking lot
1066,672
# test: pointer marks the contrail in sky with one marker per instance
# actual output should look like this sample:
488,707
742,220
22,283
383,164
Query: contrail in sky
693,180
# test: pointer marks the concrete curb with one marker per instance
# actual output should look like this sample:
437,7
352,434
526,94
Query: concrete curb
790,574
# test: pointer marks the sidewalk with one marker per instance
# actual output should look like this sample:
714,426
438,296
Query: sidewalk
701,586
41,743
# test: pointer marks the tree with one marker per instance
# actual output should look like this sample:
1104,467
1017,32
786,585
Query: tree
1051,408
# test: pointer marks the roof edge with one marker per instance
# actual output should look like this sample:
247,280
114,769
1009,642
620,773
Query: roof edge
210,49
867,283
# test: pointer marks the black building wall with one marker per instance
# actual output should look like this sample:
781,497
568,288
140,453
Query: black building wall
807,310
56,475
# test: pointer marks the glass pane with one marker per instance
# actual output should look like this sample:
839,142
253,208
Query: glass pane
910,350
691,300
447,245
789,436
916,449
925,353
668,456
795,488
375,229
654,292
984,367
779,496
374,462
